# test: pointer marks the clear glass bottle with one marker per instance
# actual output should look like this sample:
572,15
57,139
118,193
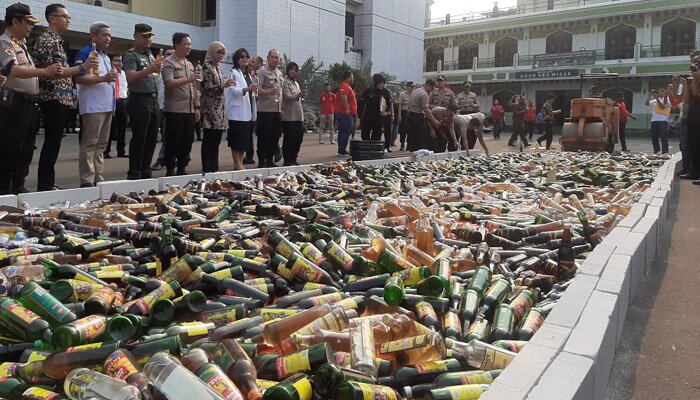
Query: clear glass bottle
174,381
83,384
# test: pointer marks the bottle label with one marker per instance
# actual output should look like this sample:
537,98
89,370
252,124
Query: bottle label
340,256
303,388
431,366
256,281
327,322
90,327
103,274
8,368
178,271
36,356
146,302
376,392
264,384
305,271
48,304
222,357
327,299
403,344
411,276
473,377
465,392
495,359
347,304
215,378
452,321
83,290
118,366
220,318
269,314
35,393
284,249
195,328
297,362
22,313
84,347
313,285
425,309
222,274
342,359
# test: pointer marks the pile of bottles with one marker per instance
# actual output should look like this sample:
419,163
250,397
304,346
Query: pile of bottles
410,280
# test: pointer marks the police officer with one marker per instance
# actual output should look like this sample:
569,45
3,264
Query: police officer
142,70
442,95
18,106
404,97
419,116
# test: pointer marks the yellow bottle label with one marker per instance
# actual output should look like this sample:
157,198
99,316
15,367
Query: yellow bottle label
305,270
494,359
452,320
256,281
7,368
264,383
411,276
222,274
347,304
84,347
375,392
35,393
431,366
313,285
22,313
425,309
476,378
303,387
403,344
195,328
465,392
268,314
297,362
36,356
327,298
109,274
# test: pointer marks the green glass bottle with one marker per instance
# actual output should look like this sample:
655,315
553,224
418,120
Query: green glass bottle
167,254
82,331
394,291
328,376
23,322
391,262
481,280
349,390
461,392
421,372
35,298
503,323
466,377
444,272
306,360
121,327
296,387
431,286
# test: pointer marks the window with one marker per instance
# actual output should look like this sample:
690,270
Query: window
619,42
559,42
350,24
505,49
432,56
677,37
467,52
210,10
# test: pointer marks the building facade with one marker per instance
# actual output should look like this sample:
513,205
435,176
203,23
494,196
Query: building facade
543,46
332,31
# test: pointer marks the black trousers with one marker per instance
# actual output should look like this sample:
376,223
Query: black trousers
250,153
55,115
371,129
293,137
145,118
71,119
439,144
118,128
269,130
518,130
403,126
210,150
18,134
386,122
621,134
548,135
417,132
179,129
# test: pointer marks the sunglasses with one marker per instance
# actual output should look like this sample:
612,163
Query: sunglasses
66,17
244,56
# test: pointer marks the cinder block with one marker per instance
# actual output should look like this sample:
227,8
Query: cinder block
617,235
637,209
45,199
660,201
654,211
648,196
572,302
595,262
649,226
223,175
8,200
619,288
595,337
635,247
500,390
630,220
569,377
179,181
552,336
126,186
525,370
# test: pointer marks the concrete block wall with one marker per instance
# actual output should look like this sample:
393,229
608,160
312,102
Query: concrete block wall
571,356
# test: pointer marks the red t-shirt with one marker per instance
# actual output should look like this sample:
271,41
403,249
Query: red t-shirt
327,103
531,114
623,112
497,111
346,90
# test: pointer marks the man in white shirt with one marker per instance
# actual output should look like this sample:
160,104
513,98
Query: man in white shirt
661,109
118,129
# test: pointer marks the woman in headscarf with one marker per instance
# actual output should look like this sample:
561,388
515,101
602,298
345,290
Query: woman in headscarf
292,116
214,120
240,107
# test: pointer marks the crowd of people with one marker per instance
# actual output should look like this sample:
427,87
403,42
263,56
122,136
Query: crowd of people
170,95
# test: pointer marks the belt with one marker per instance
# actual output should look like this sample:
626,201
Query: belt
124,99
26,98
154,95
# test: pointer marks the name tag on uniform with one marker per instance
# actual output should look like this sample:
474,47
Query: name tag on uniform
179,73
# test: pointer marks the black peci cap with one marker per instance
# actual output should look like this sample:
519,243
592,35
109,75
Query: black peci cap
143,29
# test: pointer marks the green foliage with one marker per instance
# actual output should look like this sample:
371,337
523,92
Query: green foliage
312,76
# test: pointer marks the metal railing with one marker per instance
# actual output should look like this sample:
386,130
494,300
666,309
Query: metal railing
539,6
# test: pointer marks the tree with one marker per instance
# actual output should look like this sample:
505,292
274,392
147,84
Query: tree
312,76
